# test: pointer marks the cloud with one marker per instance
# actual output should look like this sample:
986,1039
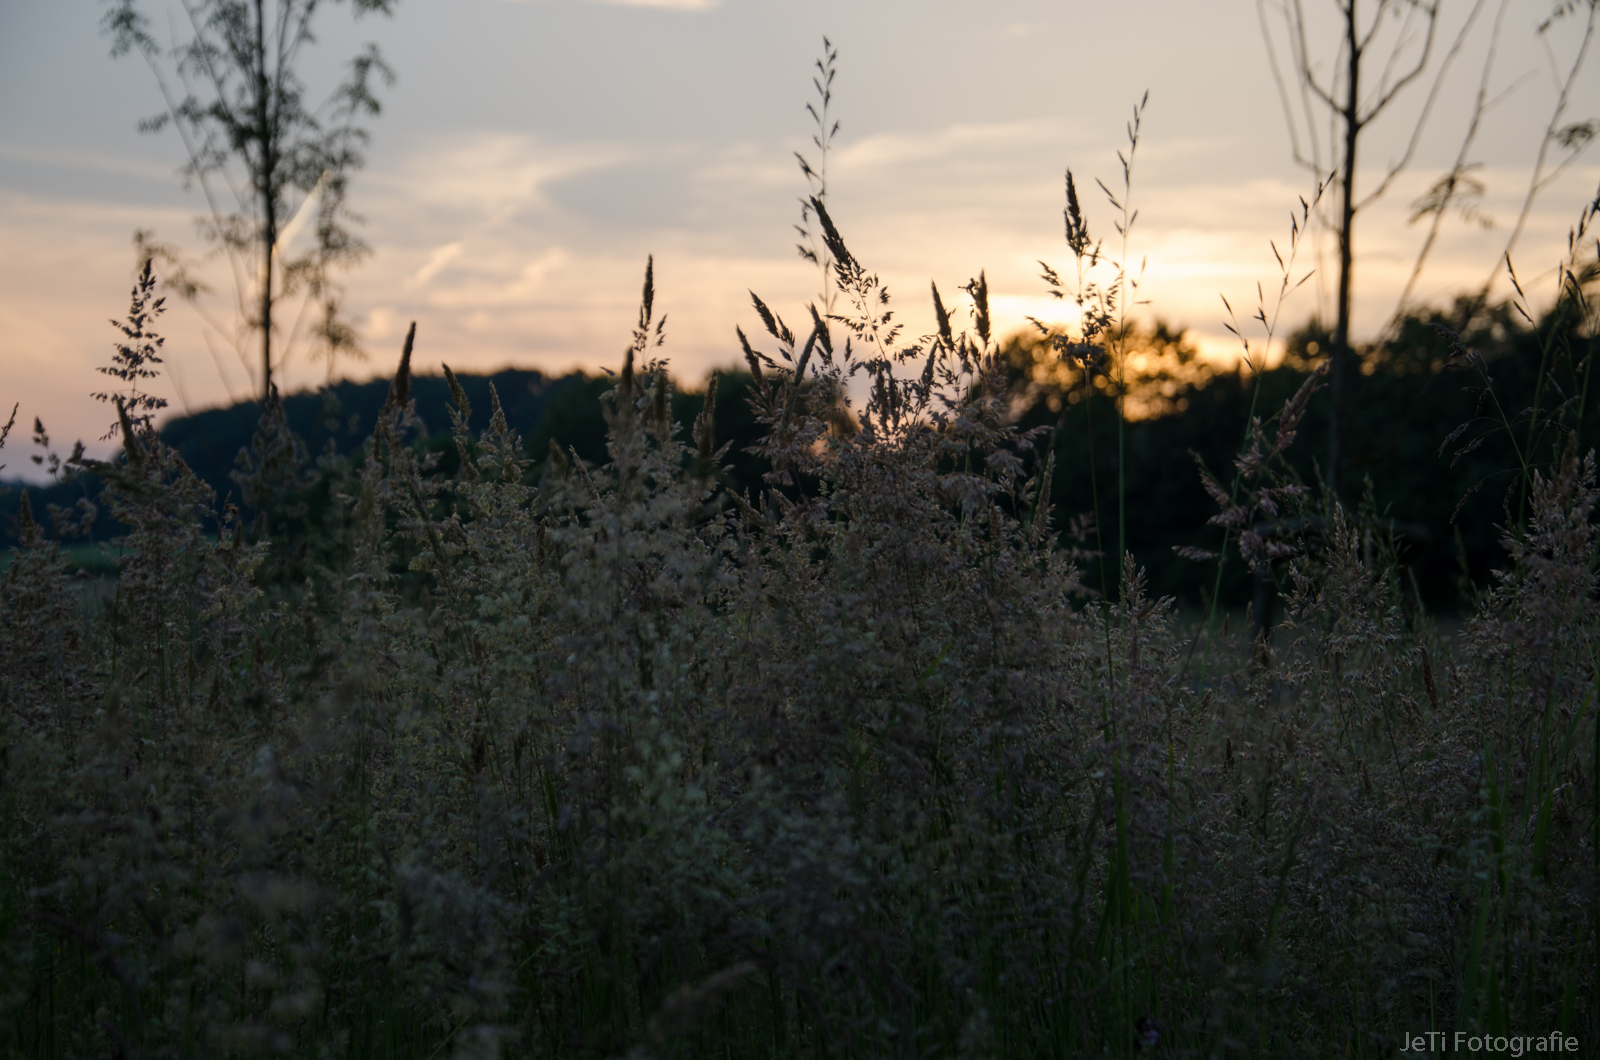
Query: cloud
472,181
380,322
441,257
503,283
67,158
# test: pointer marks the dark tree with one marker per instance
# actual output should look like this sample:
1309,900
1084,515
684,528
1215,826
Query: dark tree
1383,48
266,161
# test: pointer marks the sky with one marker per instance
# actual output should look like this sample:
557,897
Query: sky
531,155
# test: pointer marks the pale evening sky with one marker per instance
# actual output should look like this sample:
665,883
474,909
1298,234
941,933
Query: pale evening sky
533,153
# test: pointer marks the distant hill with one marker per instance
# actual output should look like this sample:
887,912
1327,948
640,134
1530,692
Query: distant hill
542,409
343,414
346,413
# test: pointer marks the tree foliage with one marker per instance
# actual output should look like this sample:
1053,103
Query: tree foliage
268,161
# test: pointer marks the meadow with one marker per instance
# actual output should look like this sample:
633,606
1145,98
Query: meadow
473,750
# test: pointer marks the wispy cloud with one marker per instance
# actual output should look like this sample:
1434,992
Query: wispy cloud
67,158
440,257
493,174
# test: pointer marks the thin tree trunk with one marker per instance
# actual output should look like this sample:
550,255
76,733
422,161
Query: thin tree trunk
269,204
1339,373
266,303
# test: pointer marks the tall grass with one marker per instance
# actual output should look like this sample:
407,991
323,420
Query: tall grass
622,764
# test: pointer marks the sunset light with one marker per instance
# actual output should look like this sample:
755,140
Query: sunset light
510,199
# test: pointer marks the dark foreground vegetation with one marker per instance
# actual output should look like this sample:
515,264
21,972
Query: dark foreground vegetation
855,742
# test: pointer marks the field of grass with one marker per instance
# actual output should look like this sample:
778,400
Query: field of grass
91,559
878,761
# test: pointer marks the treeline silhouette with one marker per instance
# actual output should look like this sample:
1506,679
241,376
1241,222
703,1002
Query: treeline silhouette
1441,511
